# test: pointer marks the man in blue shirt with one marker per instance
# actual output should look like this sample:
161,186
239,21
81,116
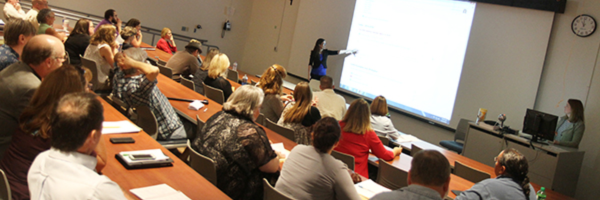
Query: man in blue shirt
16,34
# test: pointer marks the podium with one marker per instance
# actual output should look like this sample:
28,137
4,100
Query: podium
552,166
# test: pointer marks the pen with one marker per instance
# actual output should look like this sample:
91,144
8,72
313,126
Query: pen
205,109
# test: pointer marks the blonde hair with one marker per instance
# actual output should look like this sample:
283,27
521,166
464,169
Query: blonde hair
105,34
271,81
244,100
379,106
303,97
358,117
206,63
164,32
218,66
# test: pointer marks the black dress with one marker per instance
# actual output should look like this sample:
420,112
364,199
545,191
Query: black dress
75,46
239,147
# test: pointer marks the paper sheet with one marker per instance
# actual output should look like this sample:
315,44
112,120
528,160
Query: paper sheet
279,147
368,188
124,126
159,192
406,138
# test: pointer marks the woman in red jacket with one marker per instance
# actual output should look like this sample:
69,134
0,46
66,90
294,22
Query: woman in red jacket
166,42
358,137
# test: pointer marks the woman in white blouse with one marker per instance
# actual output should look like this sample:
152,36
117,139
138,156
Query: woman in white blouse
380,122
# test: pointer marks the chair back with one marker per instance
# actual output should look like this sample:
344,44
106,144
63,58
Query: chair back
90,64
205,166
285,132
261,119
147,121
214,94
469,173
414,149
161,62
187,83
199,126
385,140
253,83
391,177
315,85
461,130
345,158
168,72
152,61
233,75
4,187
270,193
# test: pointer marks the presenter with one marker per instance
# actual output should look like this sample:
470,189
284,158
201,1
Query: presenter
570,127
317,66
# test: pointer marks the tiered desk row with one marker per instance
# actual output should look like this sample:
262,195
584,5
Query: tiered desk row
183,178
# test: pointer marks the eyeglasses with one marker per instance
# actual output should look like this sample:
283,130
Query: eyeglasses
65,57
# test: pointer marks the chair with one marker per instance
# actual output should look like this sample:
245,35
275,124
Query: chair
147,121
161,62
469,173
315,85
385,140
187,83
214,94
199,123
4,187
345,158
168,72
414,149
96,84
205,166
152,61
261,119
285,132
391,177
253,83
233,75
459,134
270,193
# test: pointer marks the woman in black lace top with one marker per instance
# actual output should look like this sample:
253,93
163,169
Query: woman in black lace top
239,147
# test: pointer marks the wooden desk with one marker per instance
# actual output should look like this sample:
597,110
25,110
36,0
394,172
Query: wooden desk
180,176
171,88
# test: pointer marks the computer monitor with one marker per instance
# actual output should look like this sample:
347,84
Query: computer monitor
540,125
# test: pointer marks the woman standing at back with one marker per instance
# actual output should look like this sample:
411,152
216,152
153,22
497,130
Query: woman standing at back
271,82
300,115
358,138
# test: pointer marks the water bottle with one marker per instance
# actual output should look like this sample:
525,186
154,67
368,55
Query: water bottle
234,66
541,195
245,80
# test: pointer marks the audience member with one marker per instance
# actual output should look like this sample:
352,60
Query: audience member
33,134
79,40
13,10
66,171
46,19
166,42
239,147
310,172
135,84
328,102
18,82
300,115
111,18
511,180
380,121
128,34
186,63
36,6
271,82
358,137
570,127
102,50
201,74
217,73
16,34
428,178
135,23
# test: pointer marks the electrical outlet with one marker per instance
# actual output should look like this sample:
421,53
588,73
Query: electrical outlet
184,28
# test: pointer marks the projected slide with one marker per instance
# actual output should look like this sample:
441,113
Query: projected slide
410,51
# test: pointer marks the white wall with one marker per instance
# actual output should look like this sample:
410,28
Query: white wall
177,13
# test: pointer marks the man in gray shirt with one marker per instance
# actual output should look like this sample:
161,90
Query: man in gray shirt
428,178
186,62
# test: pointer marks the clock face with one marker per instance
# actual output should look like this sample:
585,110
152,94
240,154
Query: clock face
583,25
